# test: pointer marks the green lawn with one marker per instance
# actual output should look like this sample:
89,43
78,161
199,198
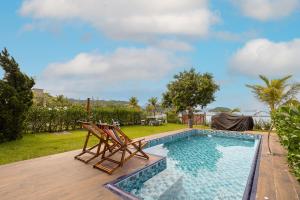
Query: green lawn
36,145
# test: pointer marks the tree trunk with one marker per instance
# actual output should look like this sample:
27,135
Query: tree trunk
271,127
269,134
190,118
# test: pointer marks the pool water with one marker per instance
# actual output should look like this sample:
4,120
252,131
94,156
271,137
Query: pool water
200,167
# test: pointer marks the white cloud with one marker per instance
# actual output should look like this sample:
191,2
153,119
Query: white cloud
88,73
262,56
267,9
124,18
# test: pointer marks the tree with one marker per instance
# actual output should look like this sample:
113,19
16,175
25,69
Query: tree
62,101
15,98
292,102
152,105
188,90
133,102
275,93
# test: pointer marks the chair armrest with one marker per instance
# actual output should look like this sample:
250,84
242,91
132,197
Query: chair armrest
136,141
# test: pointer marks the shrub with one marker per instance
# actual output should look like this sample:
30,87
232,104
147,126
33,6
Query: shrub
44,119
262,125
287,122
172,117
126,116
53,119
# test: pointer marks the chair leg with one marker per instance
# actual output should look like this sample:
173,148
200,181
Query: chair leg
123,156
99,165
89,150
140,149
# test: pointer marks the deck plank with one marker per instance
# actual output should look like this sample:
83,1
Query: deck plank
275,180
60,177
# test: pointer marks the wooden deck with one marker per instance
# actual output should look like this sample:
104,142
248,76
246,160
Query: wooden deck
275,180
61,177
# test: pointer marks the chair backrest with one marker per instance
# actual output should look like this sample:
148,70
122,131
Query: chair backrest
115,136
119,131
114,133
93,129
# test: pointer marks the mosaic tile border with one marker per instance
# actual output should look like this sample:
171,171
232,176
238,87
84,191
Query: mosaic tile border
168,138
143,175
151,170
136,178
251,186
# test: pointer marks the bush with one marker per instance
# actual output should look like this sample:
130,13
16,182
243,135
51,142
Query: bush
172,117
262,125
45,119
125,116
287,122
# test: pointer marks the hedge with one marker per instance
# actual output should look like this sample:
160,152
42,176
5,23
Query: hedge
44,119
124,115
172,117
287,122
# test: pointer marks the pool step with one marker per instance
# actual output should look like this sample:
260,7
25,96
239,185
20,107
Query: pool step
164,188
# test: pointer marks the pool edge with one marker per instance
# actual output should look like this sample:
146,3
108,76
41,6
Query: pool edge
251,186
252,180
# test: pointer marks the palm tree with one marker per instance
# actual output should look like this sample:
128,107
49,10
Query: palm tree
274,93
152,105
133,102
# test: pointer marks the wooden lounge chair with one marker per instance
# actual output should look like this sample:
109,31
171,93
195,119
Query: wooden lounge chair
127,147
93,130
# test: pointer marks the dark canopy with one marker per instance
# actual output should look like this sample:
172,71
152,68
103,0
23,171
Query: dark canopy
226,121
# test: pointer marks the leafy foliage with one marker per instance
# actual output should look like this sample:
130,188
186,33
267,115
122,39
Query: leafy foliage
46,119
262,125
189,90
133,102
152,105
275,92
15,98
287,122
124,115
100,102
172,117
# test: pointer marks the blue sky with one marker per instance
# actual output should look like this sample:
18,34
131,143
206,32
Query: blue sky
117,49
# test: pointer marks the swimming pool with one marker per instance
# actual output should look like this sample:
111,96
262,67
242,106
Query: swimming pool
195,164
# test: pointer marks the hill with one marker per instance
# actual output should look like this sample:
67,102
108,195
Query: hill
220,109
101,102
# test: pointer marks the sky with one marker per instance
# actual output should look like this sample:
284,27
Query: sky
115,49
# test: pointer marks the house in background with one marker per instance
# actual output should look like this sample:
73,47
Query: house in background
39,96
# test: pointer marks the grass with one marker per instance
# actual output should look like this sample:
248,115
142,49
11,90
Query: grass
37,145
